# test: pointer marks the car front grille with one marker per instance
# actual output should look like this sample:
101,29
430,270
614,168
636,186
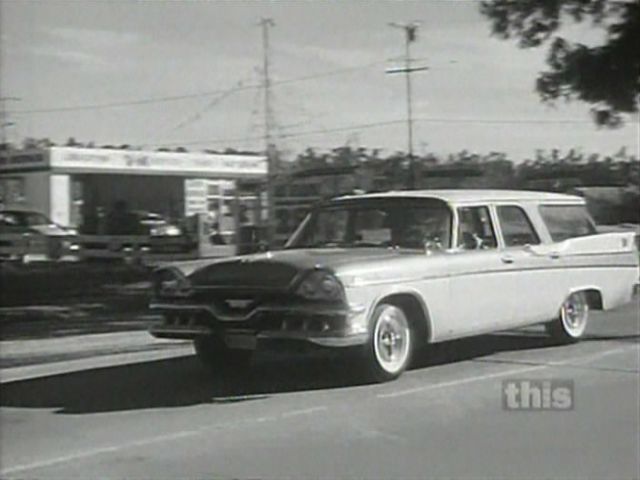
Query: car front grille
255,274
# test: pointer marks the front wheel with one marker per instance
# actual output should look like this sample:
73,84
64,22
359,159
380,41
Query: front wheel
572,321
388,352
214,354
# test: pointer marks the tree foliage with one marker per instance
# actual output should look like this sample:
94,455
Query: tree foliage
607,75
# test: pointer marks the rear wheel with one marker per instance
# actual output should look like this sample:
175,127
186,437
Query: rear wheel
215,355
572,320
388,352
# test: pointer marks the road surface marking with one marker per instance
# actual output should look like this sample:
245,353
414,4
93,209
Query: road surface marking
305,411
633,371
157,439
193,432
515,371
461,381
97,451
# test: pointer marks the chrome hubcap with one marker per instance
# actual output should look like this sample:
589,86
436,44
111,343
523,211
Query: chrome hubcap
391,339
574,313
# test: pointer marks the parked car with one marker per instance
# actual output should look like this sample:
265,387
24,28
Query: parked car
27,232
156,225
381,274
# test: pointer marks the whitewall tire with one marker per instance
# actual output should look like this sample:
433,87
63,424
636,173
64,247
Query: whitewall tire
388,352
572,320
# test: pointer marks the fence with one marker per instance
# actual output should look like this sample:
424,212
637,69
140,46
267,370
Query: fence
33,247
138,248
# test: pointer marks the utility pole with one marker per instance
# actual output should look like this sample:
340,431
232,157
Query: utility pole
4,117
410,30
269,147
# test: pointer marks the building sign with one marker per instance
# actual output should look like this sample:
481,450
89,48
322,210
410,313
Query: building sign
195,194
148,162
21,160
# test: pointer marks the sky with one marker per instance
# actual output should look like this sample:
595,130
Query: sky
184,73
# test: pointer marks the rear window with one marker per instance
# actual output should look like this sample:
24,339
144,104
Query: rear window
567,221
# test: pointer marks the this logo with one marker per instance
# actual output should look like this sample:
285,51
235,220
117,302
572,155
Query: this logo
539,394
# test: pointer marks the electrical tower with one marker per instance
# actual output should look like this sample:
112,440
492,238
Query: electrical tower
269,146
410,30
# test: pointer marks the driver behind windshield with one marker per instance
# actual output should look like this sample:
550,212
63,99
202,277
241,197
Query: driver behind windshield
422,227
414,225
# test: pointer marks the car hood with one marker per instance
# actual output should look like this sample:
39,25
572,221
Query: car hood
280,269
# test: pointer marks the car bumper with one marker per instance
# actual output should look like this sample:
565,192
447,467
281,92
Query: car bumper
323,327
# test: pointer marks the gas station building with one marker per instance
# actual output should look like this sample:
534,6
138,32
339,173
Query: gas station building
75,186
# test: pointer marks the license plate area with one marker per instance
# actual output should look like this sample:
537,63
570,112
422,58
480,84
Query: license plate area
241,340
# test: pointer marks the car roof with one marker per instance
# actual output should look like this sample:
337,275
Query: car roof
473,196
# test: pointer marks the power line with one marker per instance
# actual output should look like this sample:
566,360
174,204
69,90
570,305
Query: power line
329,73
214,102
130,103
489,121
443,120
286,135
252,124
188,96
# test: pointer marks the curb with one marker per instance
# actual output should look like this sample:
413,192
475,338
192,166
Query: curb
30,372
25,359
76,343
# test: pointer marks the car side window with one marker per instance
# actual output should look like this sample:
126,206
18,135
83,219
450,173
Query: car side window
567,221
475,229
516,227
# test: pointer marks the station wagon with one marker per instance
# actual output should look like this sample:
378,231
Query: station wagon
382,274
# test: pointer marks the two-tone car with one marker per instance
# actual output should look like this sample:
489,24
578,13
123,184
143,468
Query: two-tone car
382,274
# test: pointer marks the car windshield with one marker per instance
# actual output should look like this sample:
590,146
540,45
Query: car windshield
376,222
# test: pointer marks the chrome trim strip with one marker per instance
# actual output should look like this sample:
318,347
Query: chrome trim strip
160,330
506,269
350,341
230,318
326,341
595,254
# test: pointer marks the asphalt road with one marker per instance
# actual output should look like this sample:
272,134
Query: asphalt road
301,417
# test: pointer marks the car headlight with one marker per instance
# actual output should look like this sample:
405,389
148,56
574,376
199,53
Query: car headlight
320,285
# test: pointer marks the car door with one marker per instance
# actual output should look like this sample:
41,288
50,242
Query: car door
479,278
533,267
